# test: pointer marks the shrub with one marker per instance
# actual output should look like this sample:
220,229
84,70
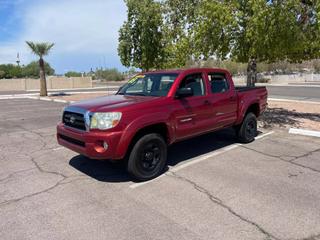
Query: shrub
2,74
73,74
109,75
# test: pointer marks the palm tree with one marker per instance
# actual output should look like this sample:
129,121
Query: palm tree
41,49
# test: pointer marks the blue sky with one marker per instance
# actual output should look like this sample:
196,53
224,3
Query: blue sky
85,32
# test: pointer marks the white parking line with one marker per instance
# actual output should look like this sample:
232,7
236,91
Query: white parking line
264,135
203,157
60,100
198,160
304,132
58,148
46,99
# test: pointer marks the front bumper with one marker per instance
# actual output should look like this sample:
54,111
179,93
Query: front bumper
89,144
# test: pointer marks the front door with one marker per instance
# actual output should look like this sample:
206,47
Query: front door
192,114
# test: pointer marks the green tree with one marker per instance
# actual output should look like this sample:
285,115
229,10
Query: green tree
32,70
141,37
41,49
180,18
73,74
109,75
2,74
245,31
254,31
10,71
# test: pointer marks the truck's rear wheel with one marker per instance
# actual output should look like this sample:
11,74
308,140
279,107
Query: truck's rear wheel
148,157
247,131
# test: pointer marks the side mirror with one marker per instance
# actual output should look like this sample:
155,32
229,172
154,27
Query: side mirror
184,92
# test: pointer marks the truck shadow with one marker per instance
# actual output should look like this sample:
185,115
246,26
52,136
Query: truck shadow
103,171
186,150
115,172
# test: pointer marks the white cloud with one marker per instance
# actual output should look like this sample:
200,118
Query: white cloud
77,27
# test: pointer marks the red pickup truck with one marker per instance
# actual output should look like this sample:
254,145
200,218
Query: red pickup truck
156,109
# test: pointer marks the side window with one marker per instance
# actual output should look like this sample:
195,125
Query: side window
195,82
218,82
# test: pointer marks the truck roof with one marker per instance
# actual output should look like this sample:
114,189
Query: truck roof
187,70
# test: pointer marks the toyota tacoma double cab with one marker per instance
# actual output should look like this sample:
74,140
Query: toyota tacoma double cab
156,109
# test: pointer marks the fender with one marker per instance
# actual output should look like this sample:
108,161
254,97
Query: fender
243,108
134,127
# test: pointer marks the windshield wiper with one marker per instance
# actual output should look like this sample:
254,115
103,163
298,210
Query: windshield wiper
136,94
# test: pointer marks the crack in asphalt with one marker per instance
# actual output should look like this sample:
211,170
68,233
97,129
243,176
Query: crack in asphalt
16,172
30,195
292,161
47,171
305,155
59,183
43,146
219,202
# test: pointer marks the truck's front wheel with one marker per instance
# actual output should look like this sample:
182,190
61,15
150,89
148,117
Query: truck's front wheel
247,131
148,157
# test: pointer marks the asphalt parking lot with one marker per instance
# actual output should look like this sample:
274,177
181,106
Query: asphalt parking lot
214,188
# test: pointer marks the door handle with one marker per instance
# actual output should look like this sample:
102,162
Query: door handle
232,98
206,102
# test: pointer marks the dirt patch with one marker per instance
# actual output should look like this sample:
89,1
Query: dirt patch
291,114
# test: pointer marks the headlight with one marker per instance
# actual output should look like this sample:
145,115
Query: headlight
105,121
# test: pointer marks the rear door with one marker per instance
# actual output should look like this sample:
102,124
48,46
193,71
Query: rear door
192,114
223,99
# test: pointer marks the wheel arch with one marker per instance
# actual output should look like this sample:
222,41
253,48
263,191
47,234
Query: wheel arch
130,138
254,108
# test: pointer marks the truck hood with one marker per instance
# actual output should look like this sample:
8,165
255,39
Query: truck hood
111,103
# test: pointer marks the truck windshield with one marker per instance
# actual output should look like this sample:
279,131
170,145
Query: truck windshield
152,84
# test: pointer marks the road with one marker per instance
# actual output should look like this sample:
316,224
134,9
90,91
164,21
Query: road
288,92
213,189
308,93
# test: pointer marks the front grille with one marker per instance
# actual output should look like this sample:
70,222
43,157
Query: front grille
74,120
72,140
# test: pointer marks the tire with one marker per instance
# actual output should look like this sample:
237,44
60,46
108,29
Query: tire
247,131
148,157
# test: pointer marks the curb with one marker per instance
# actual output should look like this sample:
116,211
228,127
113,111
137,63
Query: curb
304,132
296,84
51,100
72,89
291,100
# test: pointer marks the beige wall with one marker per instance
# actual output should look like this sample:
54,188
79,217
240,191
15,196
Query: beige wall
52,83
10,84
284,79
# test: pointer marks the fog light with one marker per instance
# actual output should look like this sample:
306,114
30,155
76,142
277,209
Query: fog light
105,145
101,146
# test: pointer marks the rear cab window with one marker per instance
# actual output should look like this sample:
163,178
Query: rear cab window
218,82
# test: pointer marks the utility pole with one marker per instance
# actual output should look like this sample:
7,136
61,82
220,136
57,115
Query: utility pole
18,59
